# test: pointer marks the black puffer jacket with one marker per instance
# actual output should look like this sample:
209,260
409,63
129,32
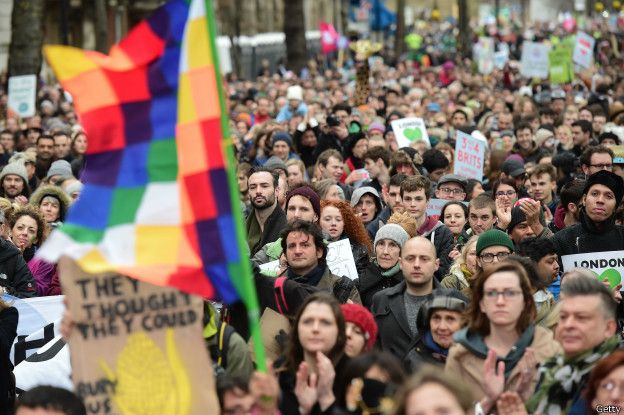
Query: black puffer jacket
15,275
585,237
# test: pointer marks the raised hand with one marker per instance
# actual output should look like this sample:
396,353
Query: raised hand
503,213
326,376
306,388
493,376
510,403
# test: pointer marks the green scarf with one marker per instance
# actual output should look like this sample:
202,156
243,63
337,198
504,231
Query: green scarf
389,272
562,380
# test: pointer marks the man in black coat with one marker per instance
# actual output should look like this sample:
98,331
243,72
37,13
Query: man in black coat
396,308
597,231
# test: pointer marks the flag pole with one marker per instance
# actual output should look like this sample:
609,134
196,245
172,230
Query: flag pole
243,282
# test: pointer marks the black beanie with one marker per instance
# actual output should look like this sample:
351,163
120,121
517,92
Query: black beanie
608,179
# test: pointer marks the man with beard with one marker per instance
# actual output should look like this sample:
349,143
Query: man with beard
266,219
45,155
14,179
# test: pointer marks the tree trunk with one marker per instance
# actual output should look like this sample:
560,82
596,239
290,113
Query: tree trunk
399,39
26,37
294,29
464,28
101,26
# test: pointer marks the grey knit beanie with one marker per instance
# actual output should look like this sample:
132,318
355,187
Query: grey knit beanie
17,169
60,168
393,232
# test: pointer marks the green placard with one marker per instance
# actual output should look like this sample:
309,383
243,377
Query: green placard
560,69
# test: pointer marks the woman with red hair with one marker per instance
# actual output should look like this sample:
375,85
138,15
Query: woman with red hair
338,221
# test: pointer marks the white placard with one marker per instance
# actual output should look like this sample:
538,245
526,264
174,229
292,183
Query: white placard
469,156
583,50
534,61
340,259
485,55
22,94
410,130
608,264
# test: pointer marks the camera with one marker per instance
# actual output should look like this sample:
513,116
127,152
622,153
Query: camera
333,121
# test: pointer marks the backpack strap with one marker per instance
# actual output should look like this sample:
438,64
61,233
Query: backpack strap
280,298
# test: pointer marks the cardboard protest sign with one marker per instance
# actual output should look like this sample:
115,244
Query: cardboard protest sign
136,348
560,65
484,54
469,156
434,206
22,93
583,50
534,60
410,130
340,259
609,264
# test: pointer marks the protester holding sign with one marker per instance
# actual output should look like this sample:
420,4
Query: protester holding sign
338,220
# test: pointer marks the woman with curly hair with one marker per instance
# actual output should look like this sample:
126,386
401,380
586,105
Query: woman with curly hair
338,221
28,230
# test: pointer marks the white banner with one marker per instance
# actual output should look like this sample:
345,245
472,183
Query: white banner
583,50
609,264
469,156
22,93
534,60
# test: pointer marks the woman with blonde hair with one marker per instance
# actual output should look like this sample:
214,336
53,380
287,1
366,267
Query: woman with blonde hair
464,269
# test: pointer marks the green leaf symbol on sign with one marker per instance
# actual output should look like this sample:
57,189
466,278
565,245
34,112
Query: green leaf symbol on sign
413,134
612,275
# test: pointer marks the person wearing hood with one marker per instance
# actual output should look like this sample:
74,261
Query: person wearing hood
384,270
367,203
295,105
525,144
596,231
415,194
499,348
354,163
53,203
440,319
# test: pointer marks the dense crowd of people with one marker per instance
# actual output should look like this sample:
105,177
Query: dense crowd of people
465,310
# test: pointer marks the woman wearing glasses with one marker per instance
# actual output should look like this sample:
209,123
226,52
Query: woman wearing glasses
501,346
605,388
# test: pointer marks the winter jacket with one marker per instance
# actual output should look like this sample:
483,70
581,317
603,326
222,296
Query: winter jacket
306,152
15,276
585,237
371,281
272,229
467,357
442,239
42,273
8,331
388,307
423,352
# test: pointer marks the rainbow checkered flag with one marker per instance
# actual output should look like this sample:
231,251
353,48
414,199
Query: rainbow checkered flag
160,201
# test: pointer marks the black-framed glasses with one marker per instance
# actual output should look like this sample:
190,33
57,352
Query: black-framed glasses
602,166
490,257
